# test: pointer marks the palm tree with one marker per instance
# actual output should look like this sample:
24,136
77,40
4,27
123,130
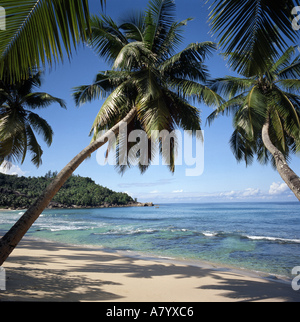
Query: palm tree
36,33
147,75
266,112
254,30
18,122
147,88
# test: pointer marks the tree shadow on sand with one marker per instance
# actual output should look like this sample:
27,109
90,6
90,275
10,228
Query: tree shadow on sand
53,285
72,282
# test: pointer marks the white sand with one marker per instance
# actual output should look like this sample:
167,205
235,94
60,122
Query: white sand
46,271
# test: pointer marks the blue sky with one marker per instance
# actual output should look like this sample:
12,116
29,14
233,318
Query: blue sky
223,178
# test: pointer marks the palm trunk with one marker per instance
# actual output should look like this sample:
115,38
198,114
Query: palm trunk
286,173
11,239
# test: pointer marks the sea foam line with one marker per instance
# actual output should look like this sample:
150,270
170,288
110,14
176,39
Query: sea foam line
286,240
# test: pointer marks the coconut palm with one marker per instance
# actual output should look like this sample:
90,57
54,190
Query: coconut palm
39,32
149,76
147,88
255,30
18,122
266,112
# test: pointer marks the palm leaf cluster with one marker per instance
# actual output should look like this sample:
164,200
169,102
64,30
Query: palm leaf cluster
254,30
270,97
39,32
19,122
148,73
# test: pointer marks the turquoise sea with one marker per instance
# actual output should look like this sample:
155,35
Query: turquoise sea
263,237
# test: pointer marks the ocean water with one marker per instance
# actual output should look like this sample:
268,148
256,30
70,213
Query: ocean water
263,237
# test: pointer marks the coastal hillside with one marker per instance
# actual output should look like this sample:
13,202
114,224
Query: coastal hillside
20,192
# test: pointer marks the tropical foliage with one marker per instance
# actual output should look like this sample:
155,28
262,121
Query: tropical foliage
251,32
20,192
19,122
148,74
268,98
39,32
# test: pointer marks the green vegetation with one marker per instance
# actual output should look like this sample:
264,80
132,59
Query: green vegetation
40,32
21,192
19,122
149,77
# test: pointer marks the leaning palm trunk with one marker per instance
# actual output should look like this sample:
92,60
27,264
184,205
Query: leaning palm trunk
11,239
286,173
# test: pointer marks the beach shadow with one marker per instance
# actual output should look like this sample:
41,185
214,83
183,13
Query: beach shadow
53,285
235,287
72,282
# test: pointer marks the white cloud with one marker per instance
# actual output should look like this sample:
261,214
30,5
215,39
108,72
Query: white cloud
228,193
278,192
11,169
276,188
250,192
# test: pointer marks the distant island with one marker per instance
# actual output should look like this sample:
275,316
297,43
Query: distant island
78,192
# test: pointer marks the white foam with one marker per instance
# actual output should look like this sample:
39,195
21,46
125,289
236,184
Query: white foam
209,234
286,240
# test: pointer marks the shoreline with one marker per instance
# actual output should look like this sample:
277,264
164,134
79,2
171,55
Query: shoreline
55,205
176,259
201,263
40,270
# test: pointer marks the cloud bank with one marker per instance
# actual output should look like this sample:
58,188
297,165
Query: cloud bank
11,169
277,192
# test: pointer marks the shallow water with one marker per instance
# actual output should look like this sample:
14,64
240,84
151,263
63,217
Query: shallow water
261,237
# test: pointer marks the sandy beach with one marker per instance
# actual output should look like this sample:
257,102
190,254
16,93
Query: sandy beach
47,271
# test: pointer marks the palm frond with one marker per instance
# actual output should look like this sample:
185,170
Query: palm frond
112,111
242,148
193,53
231,86
159,18
289,85
41,100
284,61
13,149
191,89
134,26
132,56
288,113
41,126
107,38
257,30
34,147
184,115
172,40
251,116
154,114
37,31
228,107
291,69
276,124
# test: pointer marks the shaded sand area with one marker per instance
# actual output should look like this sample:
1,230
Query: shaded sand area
46,271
